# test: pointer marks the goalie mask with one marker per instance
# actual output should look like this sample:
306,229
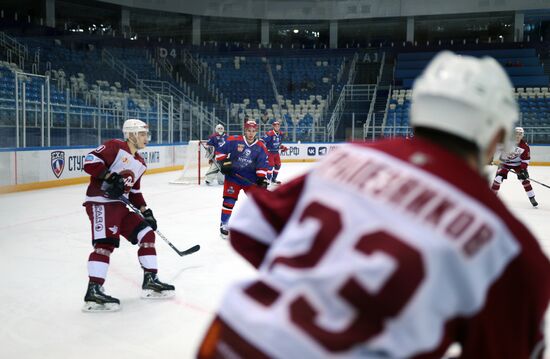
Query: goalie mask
220,129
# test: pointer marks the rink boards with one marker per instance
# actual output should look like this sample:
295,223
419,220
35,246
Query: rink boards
34,168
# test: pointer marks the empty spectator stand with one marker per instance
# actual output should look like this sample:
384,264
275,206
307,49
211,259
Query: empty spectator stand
289,88
522,65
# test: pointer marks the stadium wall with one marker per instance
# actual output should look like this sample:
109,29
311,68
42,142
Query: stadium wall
329,9
36,168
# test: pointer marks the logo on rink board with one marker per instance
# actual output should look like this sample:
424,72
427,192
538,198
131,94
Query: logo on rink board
292,151
58,162
150,156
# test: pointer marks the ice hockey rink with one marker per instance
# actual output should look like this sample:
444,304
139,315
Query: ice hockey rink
45,243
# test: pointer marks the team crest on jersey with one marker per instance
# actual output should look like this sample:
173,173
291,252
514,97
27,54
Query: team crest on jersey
240,147
58,162
129,178
247,152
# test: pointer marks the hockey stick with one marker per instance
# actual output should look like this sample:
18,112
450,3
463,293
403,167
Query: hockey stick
250,183
191,250
534,180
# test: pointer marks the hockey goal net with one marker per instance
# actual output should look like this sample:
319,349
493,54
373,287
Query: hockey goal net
195,164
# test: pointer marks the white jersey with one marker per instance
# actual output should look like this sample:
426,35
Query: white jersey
377,257
519,155
114,156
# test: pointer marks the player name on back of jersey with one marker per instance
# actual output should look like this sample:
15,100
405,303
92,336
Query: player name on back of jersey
380,181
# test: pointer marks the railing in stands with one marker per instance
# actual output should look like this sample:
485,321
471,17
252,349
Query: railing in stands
338,110
373,100
15,51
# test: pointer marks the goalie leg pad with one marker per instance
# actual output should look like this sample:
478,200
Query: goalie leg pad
221,178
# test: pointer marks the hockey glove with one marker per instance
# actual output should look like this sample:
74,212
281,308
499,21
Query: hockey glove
284,148
150,219
523,174
225,166
114,186
261,182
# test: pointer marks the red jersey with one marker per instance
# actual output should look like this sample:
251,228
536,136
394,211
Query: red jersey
382,251
114,156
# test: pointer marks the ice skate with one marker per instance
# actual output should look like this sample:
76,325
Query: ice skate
533,201
224,232
153,288
96,300
274,184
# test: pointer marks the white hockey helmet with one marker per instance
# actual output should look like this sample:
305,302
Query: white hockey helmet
134,126
220,129
465,96
519,132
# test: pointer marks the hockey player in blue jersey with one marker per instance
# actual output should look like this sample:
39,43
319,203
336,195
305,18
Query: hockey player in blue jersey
273,142
243,160
215,141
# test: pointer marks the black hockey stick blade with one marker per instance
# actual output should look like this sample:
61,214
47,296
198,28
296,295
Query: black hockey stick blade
212,172
191,250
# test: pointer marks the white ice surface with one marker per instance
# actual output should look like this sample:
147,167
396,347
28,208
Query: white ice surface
45,243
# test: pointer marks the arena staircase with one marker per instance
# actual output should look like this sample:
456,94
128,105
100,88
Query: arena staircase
171,102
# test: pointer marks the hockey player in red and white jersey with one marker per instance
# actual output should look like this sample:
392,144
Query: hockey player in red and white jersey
116,169
517,161
383,251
